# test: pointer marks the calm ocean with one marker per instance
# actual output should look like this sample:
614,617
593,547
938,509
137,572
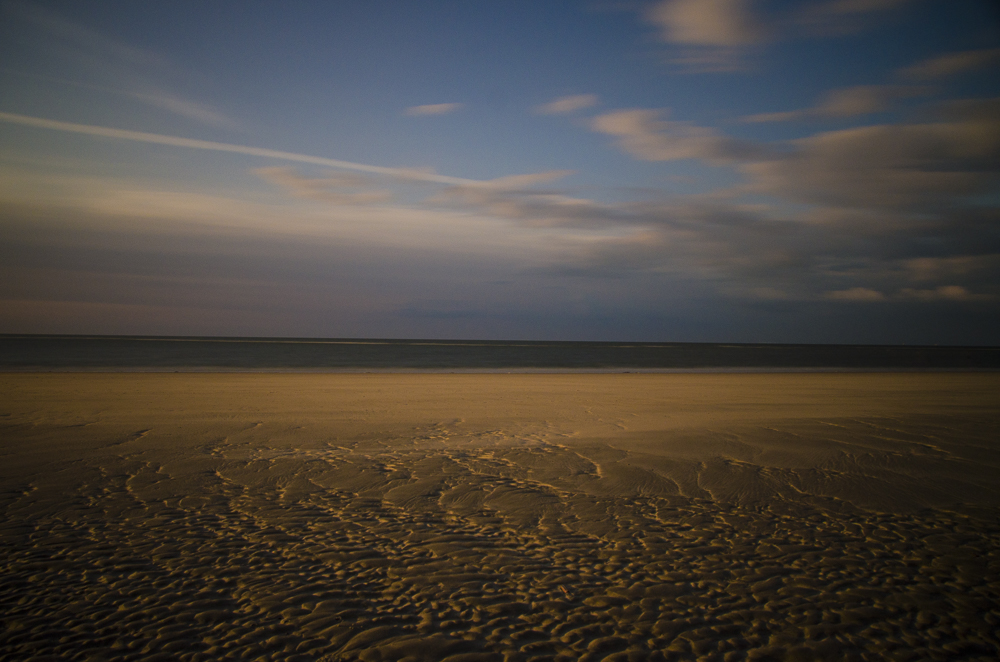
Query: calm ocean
46,353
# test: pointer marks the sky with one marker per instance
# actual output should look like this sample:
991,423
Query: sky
661,170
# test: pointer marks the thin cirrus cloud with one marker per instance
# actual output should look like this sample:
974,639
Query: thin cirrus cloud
867,99
186,108
715,35
567,105
155,138
505,196
644,135
856,294
950,64
841,16
110,66
336,188
845,102
944,293
433,109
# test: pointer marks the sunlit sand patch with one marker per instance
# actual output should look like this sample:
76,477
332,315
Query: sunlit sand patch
498,517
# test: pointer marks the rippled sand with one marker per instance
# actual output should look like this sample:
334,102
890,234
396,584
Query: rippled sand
500,517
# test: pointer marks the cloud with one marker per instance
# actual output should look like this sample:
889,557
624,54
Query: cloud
949,64
84,42
856,294
324,188
943,293
716,35
516,182
879,207
841,16
433,109
513,197
175,141
846,102
642,134
914,167
712,23
566,105
121,68
617,257
712,34
185,108
938,268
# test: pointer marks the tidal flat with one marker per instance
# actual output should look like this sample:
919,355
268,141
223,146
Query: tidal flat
467,517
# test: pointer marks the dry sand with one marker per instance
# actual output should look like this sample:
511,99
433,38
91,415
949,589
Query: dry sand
492,517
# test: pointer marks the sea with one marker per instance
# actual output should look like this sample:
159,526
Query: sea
52,353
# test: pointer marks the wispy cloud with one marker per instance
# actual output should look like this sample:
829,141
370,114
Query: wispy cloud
642,134
856,294
845,102
856,215
950,64
566,105
515,197
192,110
338,188
717,35
433,109
712,34
944,293
841,16
175,141
95,61
888,166
712,23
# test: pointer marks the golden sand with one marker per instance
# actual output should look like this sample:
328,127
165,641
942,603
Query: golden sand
500,517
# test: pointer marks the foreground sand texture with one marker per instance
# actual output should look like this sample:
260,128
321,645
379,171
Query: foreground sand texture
500,517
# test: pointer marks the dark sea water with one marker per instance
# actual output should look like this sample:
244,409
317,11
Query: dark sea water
38,352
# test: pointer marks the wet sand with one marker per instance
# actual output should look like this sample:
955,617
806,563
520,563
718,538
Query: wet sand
500,517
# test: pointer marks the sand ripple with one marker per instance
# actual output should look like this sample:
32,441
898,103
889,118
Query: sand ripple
171,542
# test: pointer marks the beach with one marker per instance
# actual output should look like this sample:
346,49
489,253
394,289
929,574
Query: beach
489,516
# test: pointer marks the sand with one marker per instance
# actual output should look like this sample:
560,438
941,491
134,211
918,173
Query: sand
500,517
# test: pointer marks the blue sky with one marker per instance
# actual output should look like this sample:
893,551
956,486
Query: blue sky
676,170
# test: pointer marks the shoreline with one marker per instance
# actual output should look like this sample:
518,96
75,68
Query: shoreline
492,371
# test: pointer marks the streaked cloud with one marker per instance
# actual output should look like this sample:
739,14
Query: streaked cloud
943,293
642,134
950,64
433,109
193,110
515,197
856,294
327,189
566,105
891,166
517,182
712,35
175,141
883,215
952,266
119,68
846,102
716,35
841,16
714,23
